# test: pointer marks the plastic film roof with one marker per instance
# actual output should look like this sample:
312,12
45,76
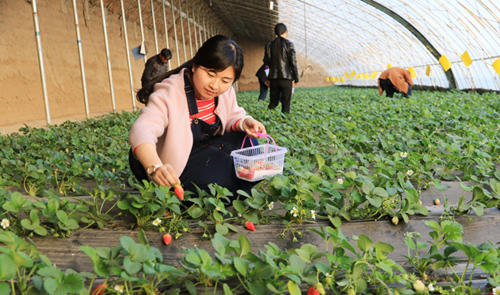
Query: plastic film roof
352,39
355,40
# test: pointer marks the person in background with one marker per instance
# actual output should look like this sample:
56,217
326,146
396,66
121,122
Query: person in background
395,80
156,65
192,122
263,81
280,57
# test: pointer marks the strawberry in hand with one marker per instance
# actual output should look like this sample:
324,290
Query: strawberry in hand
179,191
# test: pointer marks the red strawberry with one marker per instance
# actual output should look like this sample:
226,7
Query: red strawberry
167,239
166,214
250,226
99,289
312,291
242,172
437,202
179,191
251,173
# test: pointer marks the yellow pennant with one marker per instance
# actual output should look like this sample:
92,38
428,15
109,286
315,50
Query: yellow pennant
413,73
336,79
331,79
342,79
445,62
346,75
428,70
389,66
496,66
374,74
328,79
466,59
353,73
357,76
367,77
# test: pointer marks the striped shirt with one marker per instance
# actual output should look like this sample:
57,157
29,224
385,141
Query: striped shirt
206,108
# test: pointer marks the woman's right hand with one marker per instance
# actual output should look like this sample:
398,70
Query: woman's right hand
165,176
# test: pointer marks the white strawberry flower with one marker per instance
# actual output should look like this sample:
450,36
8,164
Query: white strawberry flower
271,206
340,181
119,288
496,291
403,154
409,172
5,223
294,211
313,214
157,222
430,287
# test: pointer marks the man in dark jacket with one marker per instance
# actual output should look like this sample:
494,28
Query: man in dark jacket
263,81
282,62
156,65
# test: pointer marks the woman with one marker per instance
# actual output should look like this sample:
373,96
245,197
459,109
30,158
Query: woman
280,57
192,122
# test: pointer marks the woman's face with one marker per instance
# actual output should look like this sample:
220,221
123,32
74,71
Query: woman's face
208,83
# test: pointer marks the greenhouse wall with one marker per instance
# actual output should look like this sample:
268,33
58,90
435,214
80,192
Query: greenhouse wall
22,96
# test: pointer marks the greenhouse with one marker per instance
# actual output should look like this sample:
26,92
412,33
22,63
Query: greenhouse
327,176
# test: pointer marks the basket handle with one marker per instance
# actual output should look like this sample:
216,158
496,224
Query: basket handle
266,136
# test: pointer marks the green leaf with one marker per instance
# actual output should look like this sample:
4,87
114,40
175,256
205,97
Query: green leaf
245,245
262,271
239,206
490,267
193,259
375,201
62,216
195,212
320,160
364,243
227,289
221,229
130,266
293,288
303,254
432,224
384,247
367,187
190,287
72,283
206,260
7,268
350,174
142,237
4,288
241,265
380,192
297,263
257,287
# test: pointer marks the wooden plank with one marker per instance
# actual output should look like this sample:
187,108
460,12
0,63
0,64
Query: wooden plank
65,253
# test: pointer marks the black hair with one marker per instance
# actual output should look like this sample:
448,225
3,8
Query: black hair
166,53
217,53
278,30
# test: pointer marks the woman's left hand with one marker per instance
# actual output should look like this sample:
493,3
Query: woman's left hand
252,126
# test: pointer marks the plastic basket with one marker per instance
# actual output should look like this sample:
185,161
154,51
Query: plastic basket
256,162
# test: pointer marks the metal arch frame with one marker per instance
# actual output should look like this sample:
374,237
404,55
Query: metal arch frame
406,36
414,31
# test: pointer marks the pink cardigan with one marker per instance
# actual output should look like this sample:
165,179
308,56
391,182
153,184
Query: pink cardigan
164,122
